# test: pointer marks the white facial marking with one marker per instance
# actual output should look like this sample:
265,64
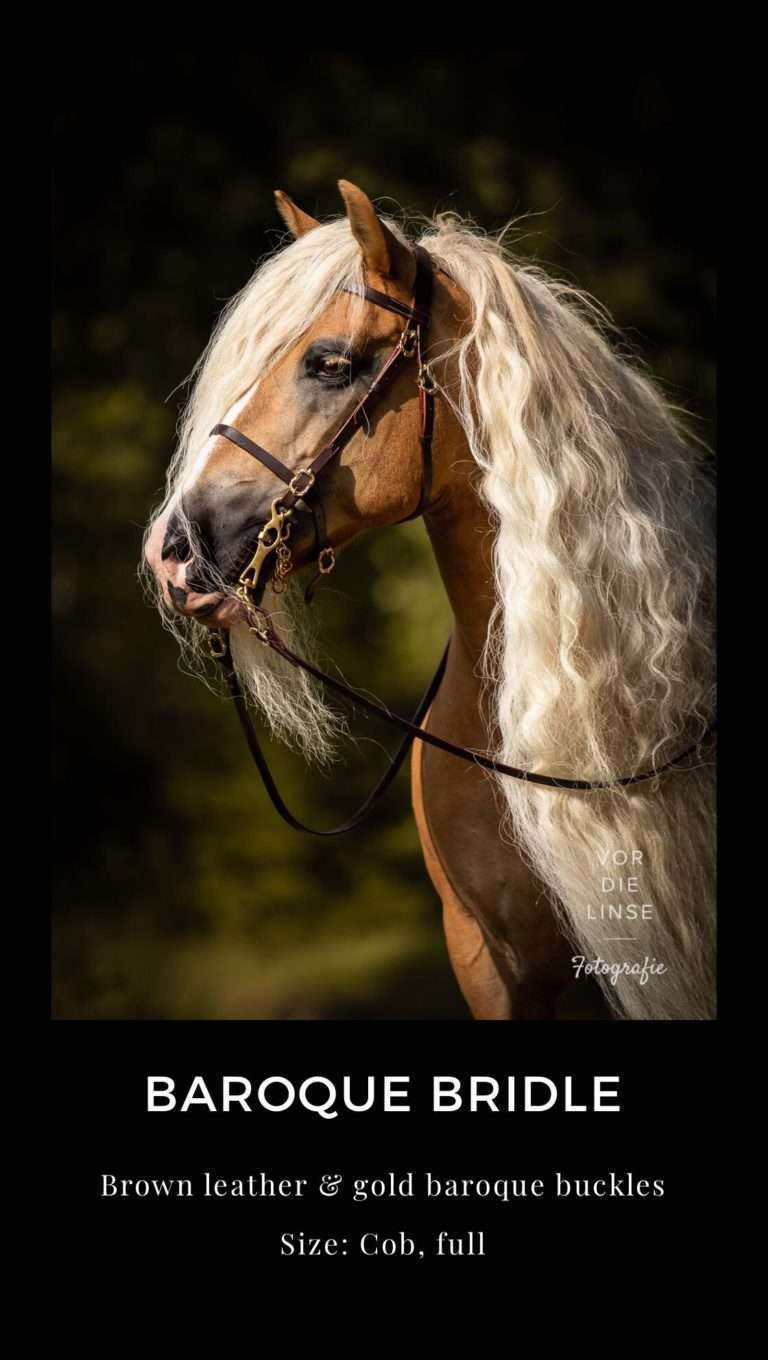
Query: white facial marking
199,461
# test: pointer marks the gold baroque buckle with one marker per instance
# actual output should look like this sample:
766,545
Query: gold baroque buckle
426,380
217,644
294,485
408,341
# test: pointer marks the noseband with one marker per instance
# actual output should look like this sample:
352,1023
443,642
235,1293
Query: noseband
273,538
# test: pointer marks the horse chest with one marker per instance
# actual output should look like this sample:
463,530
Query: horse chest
461,817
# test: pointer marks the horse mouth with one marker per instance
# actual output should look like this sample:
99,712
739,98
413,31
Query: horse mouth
203,611
216,584
217,611
224,607
215,588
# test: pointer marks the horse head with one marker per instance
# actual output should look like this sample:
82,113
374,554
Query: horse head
329,347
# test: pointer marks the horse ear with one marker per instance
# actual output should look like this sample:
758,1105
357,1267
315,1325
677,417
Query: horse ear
382,252
297,222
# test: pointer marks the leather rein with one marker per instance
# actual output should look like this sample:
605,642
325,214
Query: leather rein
273,538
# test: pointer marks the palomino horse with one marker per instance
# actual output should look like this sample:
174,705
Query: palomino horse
571,521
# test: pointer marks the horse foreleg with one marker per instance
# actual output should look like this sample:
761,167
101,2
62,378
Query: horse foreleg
482,984
476,972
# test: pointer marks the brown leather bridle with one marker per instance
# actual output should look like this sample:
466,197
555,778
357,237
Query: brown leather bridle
300,483
273,539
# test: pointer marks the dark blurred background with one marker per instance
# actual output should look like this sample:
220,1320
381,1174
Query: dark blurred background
179,893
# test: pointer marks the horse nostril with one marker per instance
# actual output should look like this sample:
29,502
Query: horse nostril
176,543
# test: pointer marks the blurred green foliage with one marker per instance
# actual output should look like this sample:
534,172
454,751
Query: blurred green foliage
179,893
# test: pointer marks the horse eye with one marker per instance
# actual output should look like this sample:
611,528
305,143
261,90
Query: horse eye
333,368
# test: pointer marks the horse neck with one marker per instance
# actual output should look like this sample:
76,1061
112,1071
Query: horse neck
462,541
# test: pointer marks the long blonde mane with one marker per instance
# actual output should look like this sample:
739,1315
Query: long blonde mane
600,655
256,328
